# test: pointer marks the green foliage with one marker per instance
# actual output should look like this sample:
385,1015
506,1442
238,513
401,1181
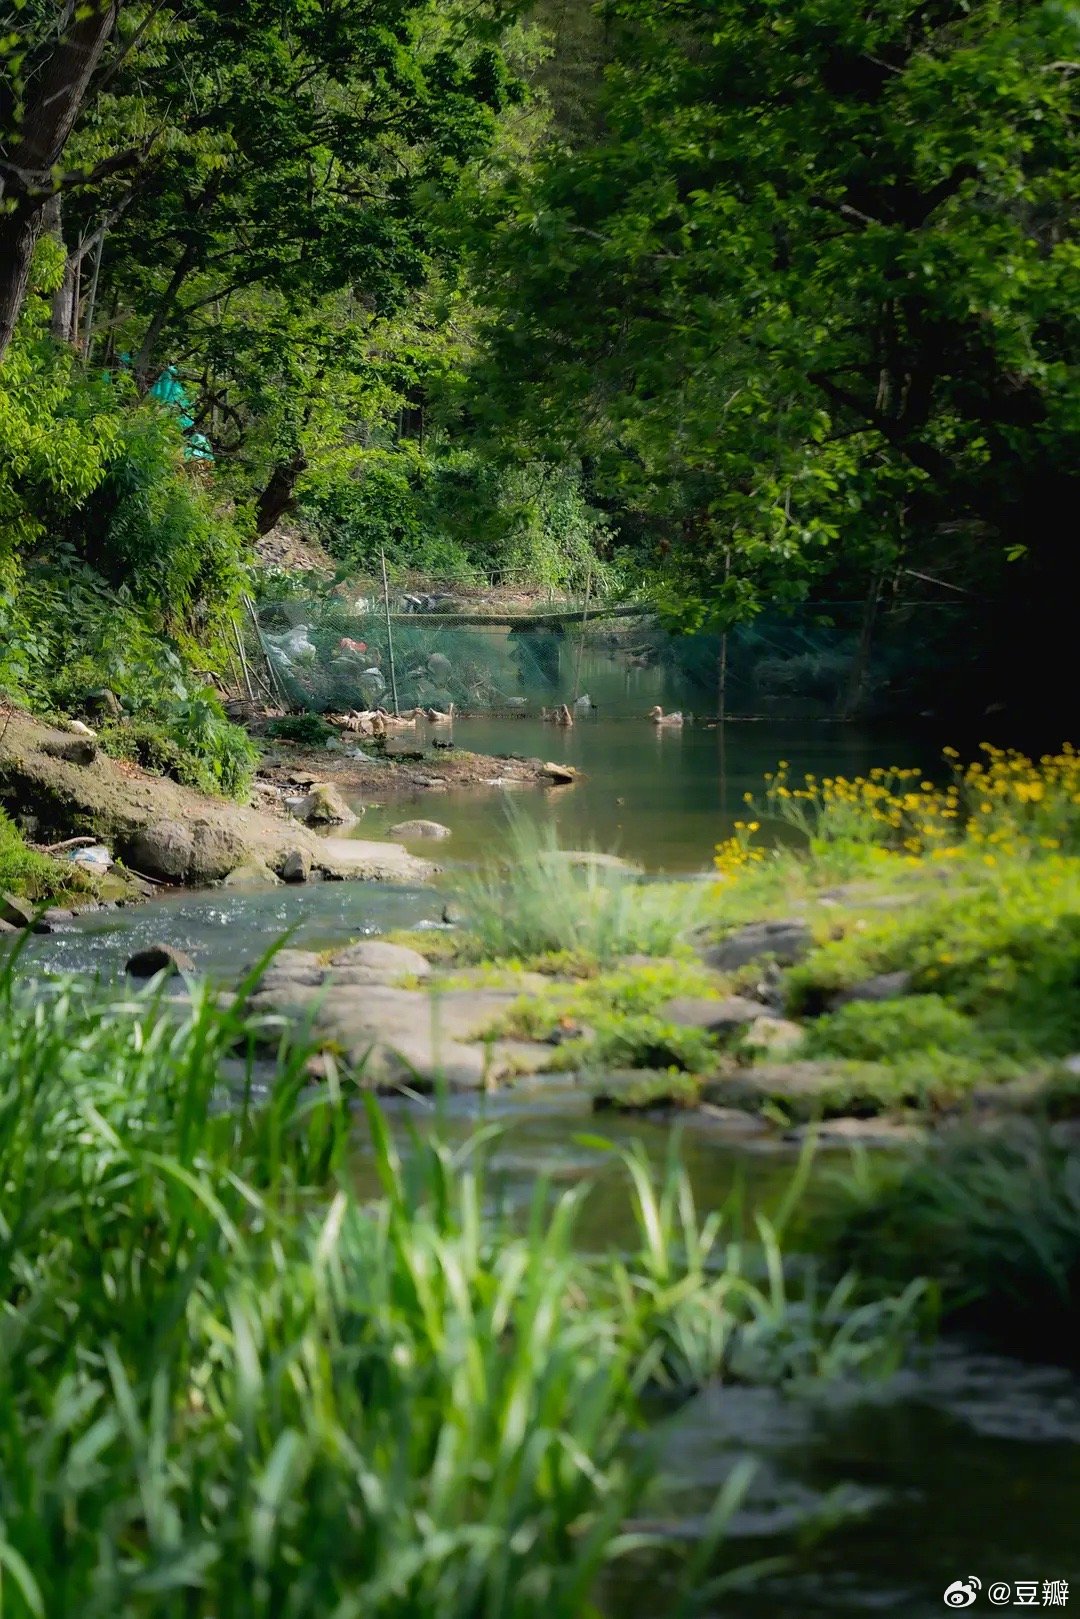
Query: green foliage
1003,947
538,901
804,297
453,516
220,1357
875,1031
309,729
638,1040
23,871
675,1088
64,638
993,1218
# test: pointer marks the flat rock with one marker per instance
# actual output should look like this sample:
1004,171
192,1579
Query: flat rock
560,774
158,958
721,1016
787,941
595,860
399,1037
74,750
407,830
882,987
375,961
364,860
801,1083
772,1033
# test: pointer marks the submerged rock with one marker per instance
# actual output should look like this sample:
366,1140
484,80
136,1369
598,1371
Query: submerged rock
158,958
406,830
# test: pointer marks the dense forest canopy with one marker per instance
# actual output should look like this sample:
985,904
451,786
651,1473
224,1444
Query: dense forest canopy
758,303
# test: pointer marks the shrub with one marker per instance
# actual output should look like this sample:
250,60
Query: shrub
1006,952
64,637
878,1031
308,729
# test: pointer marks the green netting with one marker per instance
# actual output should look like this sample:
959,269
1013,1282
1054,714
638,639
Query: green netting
329,655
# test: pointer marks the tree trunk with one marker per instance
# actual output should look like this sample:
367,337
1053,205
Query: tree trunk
26,185
63,299
279,494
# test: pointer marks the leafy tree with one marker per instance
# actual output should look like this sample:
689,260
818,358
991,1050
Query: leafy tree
809,297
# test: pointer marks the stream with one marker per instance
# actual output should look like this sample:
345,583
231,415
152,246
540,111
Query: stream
966,1463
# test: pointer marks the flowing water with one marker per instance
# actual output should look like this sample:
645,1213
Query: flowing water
965,1464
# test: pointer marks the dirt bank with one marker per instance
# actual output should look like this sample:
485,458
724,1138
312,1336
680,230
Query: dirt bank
168,832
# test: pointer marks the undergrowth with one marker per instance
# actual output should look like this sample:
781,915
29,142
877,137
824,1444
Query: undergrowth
219,1359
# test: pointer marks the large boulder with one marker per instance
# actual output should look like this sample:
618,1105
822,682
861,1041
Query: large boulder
324,805
162,849
183,852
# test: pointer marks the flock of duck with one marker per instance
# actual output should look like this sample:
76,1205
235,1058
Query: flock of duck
564,714
376,722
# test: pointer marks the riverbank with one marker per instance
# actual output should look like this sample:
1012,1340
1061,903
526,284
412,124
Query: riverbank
911,966
58,785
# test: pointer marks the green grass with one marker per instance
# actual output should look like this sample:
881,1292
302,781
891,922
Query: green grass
34,876
535,901
993,1219
229,1388
1002,946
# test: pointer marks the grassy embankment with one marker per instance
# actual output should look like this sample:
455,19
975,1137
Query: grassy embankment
968,894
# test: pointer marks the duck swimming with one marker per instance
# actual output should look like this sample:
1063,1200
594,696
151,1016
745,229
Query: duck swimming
658,717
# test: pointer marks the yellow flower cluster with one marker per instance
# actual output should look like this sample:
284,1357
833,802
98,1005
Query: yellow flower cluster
736,852
1002,805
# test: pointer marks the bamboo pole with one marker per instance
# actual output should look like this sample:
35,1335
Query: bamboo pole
389,633
581,638
243,661
275,688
